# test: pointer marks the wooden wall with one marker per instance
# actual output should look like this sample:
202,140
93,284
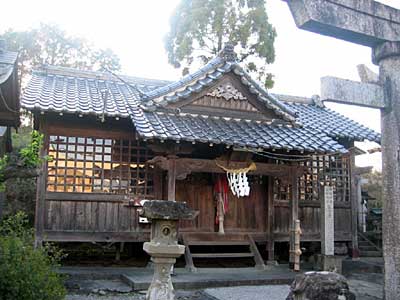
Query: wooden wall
90,214
245,214
102,217
309,216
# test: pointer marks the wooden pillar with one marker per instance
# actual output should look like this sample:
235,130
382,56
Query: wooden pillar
271,221
294,215
355,253
40,209
171,177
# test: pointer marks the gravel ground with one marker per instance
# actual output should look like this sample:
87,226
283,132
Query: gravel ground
107,297
180,295
265,292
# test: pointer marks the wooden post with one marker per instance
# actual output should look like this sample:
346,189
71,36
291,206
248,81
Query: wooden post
171,177
297,249
355,253
294,215
270,224
171,185
40,208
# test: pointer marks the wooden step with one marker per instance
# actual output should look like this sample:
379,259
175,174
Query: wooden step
218,243
363,243
222,255
370,253
367,248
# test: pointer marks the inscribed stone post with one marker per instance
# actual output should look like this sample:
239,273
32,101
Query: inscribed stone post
327,222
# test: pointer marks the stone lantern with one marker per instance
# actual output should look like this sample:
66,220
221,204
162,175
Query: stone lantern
163,246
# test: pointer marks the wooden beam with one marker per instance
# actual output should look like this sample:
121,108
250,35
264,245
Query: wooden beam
309,203
87,236
186,166
257,256
93,197
171,177
188,256
340,236
271,219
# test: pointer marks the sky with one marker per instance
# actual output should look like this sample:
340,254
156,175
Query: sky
135,29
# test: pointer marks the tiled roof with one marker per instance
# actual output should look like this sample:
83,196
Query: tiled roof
65,90
207,76
240,133
332,123
7,62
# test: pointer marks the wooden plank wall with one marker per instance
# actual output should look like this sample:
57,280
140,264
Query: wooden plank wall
92,216
309,215
245,214
68,218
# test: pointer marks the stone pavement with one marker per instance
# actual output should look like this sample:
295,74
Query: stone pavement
140,278
207,284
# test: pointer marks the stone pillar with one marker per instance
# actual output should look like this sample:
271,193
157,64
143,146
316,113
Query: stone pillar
327,222
387,55
294,215
163,246
327,260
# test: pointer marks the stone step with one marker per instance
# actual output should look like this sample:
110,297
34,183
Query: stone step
371,253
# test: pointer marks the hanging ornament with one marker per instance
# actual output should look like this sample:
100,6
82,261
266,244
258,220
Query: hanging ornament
237,179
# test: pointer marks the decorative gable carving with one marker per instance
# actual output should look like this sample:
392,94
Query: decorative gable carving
226,91
228,97
225,96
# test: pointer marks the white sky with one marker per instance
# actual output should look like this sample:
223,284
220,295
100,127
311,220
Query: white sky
135,31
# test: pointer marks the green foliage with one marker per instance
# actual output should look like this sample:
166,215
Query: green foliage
27,273
49,44
21,138
17,174
30,154
200,28
3,164
17,226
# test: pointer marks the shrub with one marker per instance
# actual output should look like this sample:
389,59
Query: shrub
27,273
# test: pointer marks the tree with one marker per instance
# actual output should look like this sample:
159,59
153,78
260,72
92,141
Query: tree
49,44
374,188
200,28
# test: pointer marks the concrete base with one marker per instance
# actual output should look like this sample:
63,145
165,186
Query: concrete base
329,263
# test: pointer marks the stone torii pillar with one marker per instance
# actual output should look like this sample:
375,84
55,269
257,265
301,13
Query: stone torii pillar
369,23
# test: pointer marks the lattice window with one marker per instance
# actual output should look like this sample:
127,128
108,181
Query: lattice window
281,190
332,170
99,165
